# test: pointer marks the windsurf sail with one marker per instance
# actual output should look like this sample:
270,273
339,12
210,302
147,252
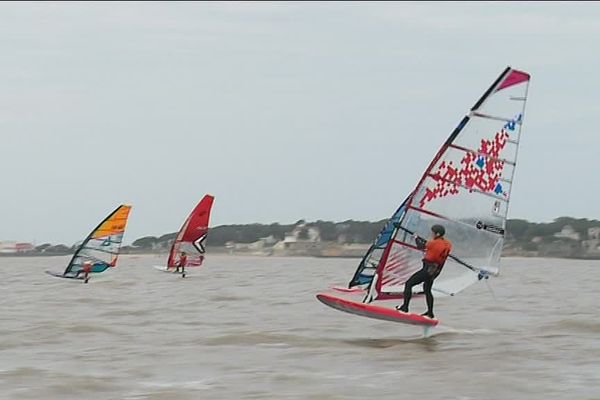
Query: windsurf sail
102,245
467,189
192,235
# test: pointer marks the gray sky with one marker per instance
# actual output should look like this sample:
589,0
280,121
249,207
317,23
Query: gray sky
281,110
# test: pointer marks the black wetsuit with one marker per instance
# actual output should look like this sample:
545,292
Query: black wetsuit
426,276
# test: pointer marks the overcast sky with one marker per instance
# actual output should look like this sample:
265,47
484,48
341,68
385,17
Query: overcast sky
282,111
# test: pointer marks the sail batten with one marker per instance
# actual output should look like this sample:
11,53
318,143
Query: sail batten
102,250
484,155
503,119
471,188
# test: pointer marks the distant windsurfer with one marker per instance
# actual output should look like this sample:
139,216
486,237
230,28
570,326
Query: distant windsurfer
86,269
436,252
182,263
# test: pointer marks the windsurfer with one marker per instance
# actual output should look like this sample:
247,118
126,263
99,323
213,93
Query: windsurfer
436,251
182,263
86,269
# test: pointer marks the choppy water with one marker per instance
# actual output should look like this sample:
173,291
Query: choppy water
250,328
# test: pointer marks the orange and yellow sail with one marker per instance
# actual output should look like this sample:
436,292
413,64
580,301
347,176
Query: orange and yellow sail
102,245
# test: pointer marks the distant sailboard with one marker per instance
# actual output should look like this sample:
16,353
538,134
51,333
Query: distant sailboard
191,238
466,188
100,248
164,268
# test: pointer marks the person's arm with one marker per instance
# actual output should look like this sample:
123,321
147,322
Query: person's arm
421,243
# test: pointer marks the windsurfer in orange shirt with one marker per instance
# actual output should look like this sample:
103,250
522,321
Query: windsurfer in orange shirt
436,252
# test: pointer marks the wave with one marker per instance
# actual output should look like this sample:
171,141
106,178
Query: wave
200,384
574,325
22,372
267,339
222,297
271,340
128,313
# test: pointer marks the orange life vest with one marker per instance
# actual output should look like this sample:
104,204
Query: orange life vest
437,251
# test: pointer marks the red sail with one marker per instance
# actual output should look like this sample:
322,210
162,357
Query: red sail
192,235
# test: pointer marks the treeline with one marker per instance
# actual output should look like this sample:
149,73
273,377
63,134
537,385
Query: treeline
520,234
350,231
522,230
347,232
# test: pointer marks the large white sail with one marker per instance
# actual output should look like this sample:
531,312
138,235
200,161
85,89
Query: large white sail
467,189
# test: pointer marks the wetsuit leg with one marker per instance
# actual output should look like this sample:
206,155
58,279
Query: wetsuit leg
433,270
428,296
415,279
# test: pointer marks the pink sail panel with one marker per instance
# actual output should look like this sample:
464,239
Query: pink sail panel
192,235
514,78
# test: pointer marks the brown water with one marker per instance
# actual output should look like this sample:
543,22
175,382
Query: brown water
251,328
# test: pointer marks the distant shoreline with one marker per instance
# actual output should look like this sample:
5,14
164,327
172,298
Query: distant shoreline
564,238
281,255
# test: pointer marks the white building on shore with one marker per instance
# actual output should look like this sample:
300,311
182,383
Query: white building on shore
12,247
568,232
